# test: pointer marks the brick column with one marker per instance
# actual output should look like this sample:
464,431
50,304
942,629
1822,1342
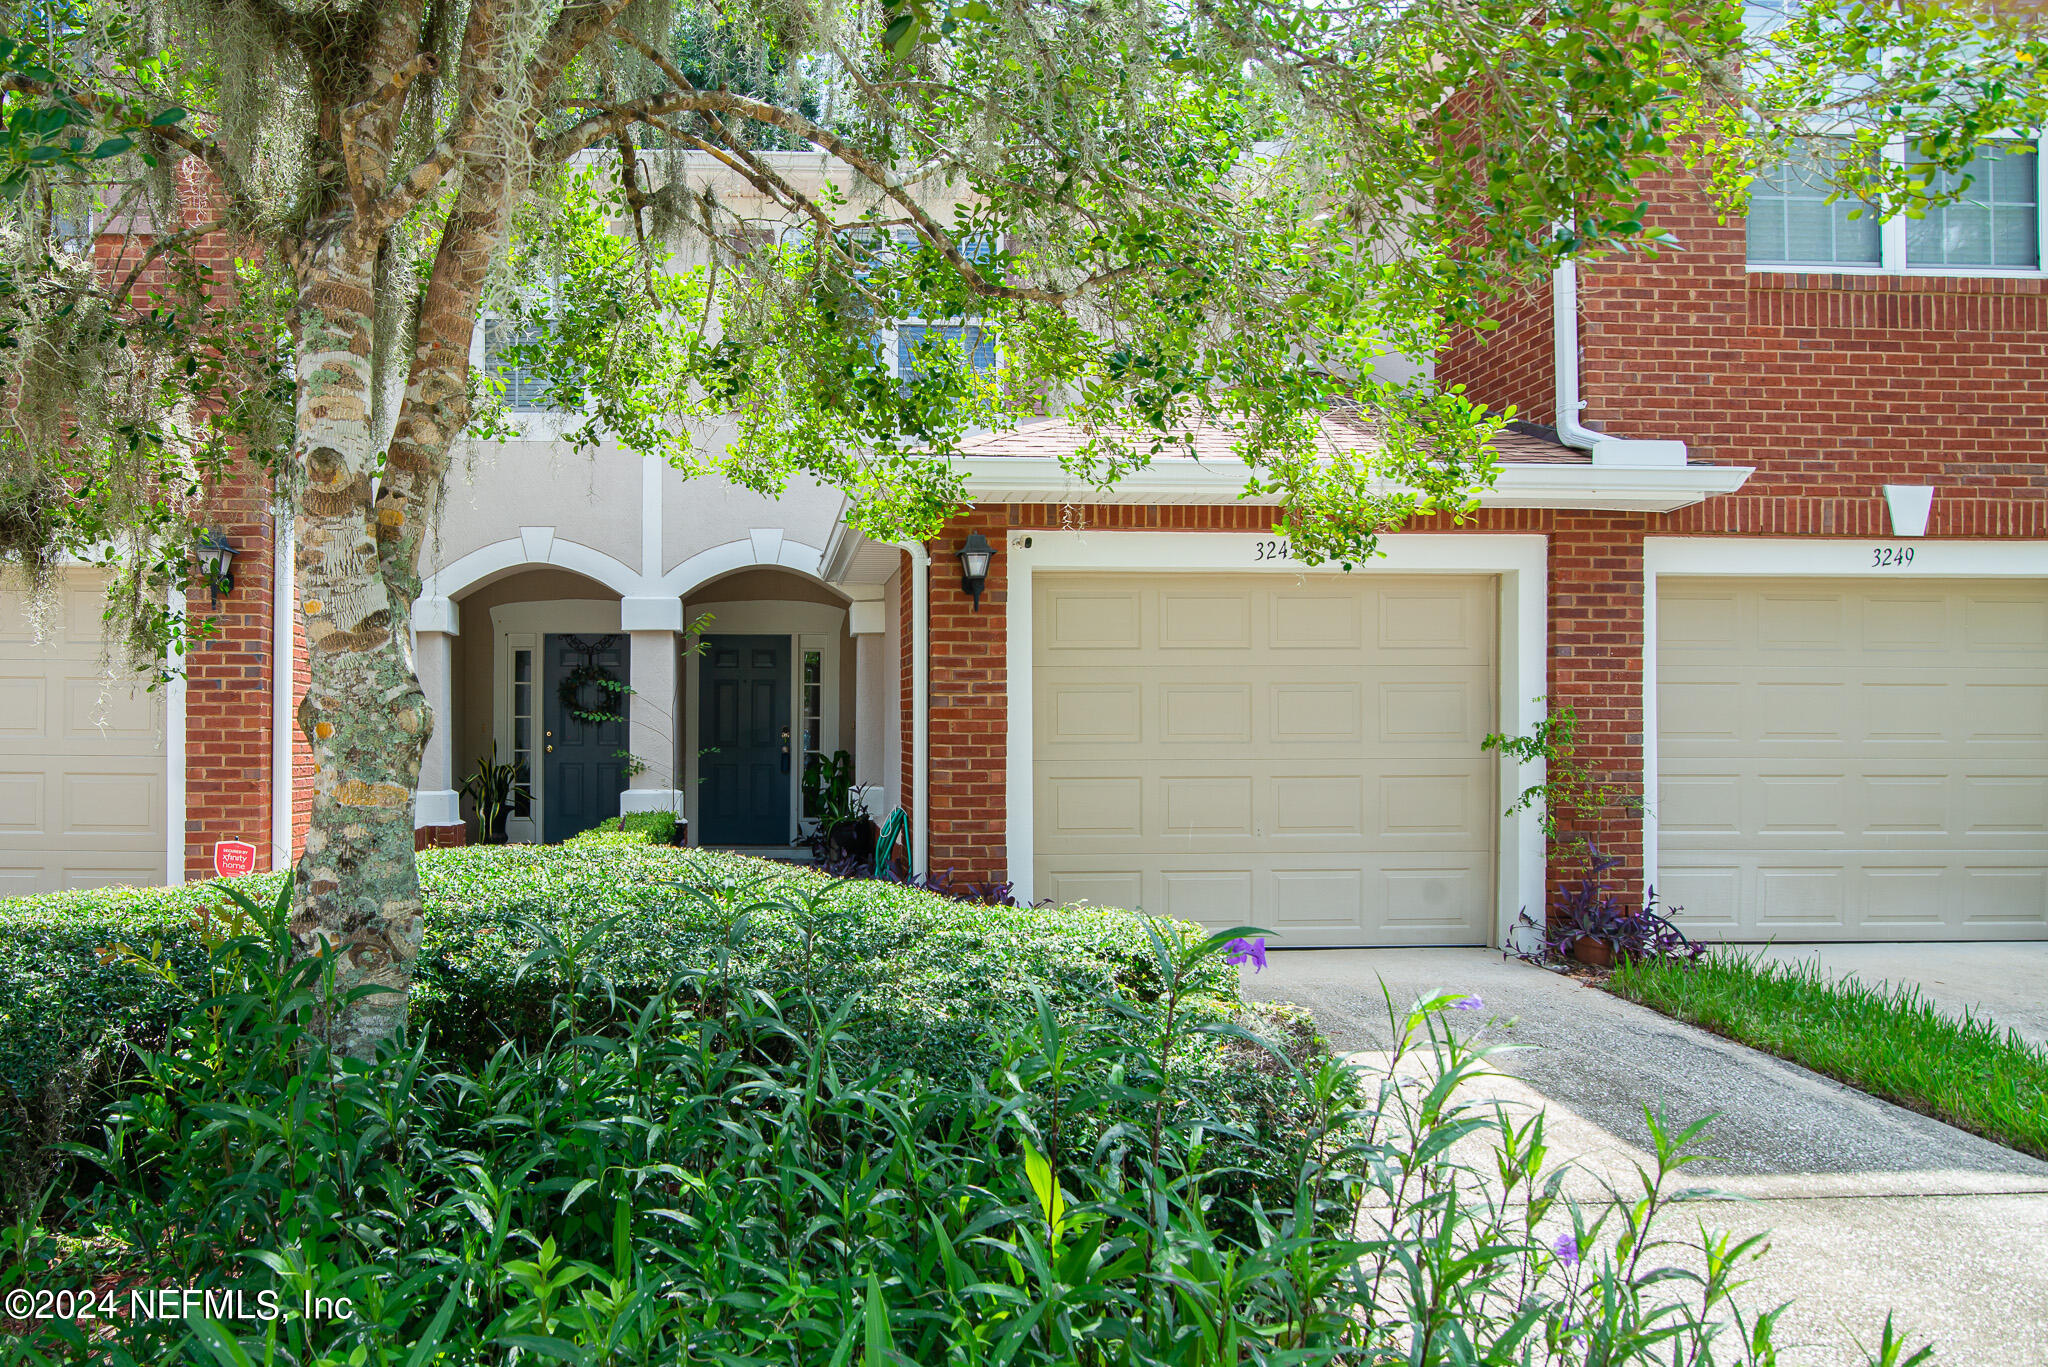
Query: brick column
1596,668
228,701
969,707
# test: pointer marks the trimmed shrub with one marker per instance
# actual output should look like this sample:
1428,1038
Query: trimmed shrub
924,984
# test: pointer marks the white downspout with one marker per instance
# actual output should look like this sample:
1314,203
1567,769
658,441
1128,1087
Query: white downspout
920,667
283,610
1564,336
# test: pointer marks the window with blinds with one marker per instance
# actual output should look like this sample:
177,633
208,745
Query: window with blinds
971,344
1997,220
1791,222
525,392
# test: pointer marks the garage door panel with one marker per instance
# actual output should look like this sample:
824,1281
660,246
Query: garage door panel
1212,713
1316,713
2003,623
2008,899
1889,779
1435,903
1100,887
1208,896
22,704
1314,621
1205,621
96,710
1260,756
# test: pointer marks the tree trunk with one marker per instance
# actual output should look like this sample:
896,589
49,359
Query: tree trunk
364,714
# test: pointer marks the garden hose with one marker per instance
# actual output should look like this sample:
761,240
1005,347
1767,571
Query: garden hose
895,828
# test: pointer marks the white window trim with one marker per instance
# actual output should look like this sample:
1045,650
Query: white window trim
1799,558
1520,562
1891,238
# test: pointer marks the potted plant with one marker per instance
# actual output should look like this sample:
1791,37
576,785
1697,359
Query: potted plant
495,789
845,830
1590,924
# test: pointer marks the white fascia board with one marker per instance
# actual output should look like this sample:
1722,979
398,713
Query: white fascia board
1614,488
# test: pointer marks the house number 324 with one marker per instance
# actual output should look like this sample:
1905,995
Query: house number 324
1272,550
1890,557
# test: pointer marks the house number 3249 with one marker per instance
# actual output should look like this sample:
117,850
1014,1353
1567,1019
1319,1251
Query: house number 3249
1890,557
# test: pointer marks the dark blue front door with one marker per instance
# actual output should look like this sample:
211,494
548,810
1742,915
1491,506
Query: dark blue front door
582,766
743,721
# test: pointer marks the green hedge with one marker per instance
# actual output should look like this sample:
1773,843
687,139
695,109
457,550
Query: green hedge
925,979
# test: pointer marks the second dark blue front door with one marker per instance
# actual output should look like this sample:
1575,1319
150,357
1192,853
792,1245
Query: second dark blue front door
743,722
583,770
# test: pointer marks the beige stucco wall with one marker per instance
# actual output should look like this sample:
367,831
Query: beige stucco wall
472,695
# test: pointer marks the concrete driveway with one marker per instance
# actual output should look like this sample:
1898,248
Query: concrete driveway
1871,1207
2005,981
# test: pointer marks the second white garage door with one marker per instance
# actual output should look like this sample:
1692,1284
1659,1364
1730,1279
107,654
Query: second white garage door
81,755
1847,761
1297,753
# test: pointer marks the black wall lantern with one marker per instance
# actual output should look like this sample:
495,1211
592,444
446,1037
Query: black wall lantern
216,562
974,558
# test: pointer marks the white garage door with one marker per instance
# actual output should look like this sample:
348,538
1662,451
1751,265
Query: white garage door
1297,753
81,758
1845,761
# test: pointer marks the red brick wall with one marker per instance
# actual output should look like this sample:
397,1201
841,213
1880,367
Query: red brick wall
967,714
228,701
1514,363
227,690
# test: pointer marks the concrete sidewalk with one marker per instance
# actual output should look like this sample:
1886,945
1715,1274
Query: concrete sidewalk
1871,1207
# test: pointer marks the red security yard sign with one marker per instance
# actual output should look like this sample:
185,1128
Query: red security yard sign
233,858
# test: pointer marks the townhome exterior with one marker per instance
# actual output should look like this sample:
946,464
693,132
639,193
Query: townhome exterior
1776,530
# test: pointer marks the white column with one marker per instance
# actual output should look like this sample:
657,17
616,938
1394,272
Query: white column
653,628
874,697
437,803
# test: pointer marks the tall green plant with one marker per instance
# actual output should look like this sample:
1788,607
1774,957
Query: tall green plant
496,790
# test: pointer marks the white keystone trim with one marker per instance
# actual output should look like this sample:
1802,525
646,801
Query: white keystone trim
531,551
1520,561
708,564
1800,558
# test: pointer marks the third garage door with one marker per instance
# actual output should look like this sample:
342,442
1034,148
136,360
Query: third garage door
1846,761
1298,753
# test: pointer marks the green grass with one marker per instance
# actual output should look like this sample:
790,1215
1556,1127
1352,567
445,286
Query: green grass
1890,1042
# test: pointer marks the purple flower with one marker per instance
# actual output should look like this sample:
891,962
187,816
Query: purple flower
1467,1004
1252,951
1567,1251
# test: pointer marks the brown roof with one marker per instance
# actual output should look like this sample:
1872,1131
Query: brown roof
1519,444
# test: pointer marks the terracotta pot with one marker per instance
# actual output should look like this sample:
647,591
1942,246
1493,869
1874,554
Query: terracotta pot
1588,950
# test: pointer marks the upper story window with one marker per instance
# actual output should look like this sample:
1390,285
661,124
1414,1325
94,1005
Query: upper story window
974,345
525,392
1791,221
1995,224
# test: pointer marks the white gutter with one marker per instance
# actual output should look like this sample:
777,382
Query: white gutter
1576,485
174,747
1564,337
283,612
920,666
